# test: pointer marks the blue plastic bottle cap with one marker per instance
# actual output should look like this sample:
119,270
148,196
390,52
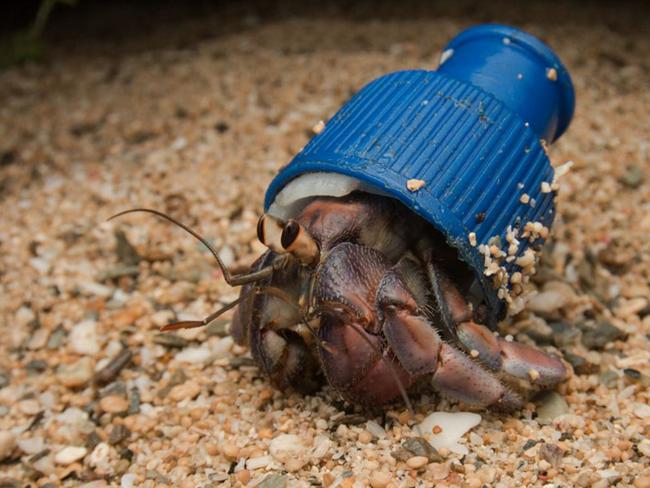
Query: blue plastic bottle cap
473,134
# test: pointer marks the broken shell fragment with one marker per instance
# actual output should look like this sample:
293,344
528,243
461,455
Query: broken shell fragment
443,430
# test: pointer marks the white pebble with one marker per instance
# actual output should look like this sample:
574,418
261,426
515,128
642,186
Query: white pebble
259,462
70,454
83,338
285,447
90,288
194,355
549,301
322,447
99,456
23,316
222,347
642,410
127,480
375,429
31,445
76,374
45,465
453,425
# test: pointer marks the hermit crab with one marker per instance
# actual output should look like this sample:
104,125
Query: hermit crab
398,237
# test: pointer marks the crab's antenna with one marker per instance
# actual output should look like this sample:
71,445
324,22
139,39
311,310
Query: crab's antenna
192,324
230,279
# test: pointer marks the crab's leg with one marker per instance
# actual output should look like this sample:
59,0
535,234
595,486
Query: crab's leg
420,350
512,358
355,365
354,357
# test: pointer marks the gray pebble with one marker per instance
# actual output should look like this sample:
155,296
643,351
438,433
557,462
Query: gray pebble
134,402
633,177
599,336
170,340
551,405
420,447
56,337
4,378
609,378
580,365
118,433
274,481
551,454
35,366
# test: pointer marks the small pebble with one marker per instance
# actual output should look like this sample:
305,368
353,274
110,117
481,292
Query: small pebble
414,184
70,454
7,444
31,445
258,462
380,479
119,432
186,391
642,482
473,482
439,471
417,462
580,365
243,476
114,404
551,74
644,447
84,339
551,453
633,177
552,298
318,128
76,374
285,447
194,355
109,372
274,481
230,451
551,405
365,437
599,336
642,410
128,480
420,447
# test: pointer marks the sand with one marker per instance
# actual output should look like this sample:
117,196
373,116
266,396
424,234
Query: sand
194,118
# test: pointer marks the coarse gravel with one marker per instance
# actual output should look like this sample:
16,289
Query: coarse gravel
91,394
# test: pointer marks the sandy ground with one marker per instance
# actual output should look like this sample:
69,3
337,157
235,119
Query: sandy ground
91,394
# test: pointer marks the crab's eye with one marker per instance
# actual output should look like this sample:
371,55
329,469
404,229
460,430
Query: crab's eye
290,233
270,232
299,242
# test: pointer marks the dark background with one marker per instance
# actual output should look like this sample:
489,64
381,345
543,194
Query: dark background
115,20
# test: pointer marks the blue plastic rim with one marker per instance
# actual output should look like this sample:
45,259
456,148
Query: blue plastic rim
471,131
518,69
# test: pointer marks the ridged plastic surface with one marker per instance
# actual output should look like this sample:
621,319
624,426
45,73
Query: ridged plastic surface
476,155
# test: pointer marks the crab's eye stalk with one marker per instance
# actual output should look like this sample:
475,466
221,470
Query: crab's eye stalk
298,241
269,232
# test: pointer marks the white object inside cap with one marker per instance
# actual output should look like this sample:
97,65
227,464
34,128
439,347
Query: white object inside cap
293,197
